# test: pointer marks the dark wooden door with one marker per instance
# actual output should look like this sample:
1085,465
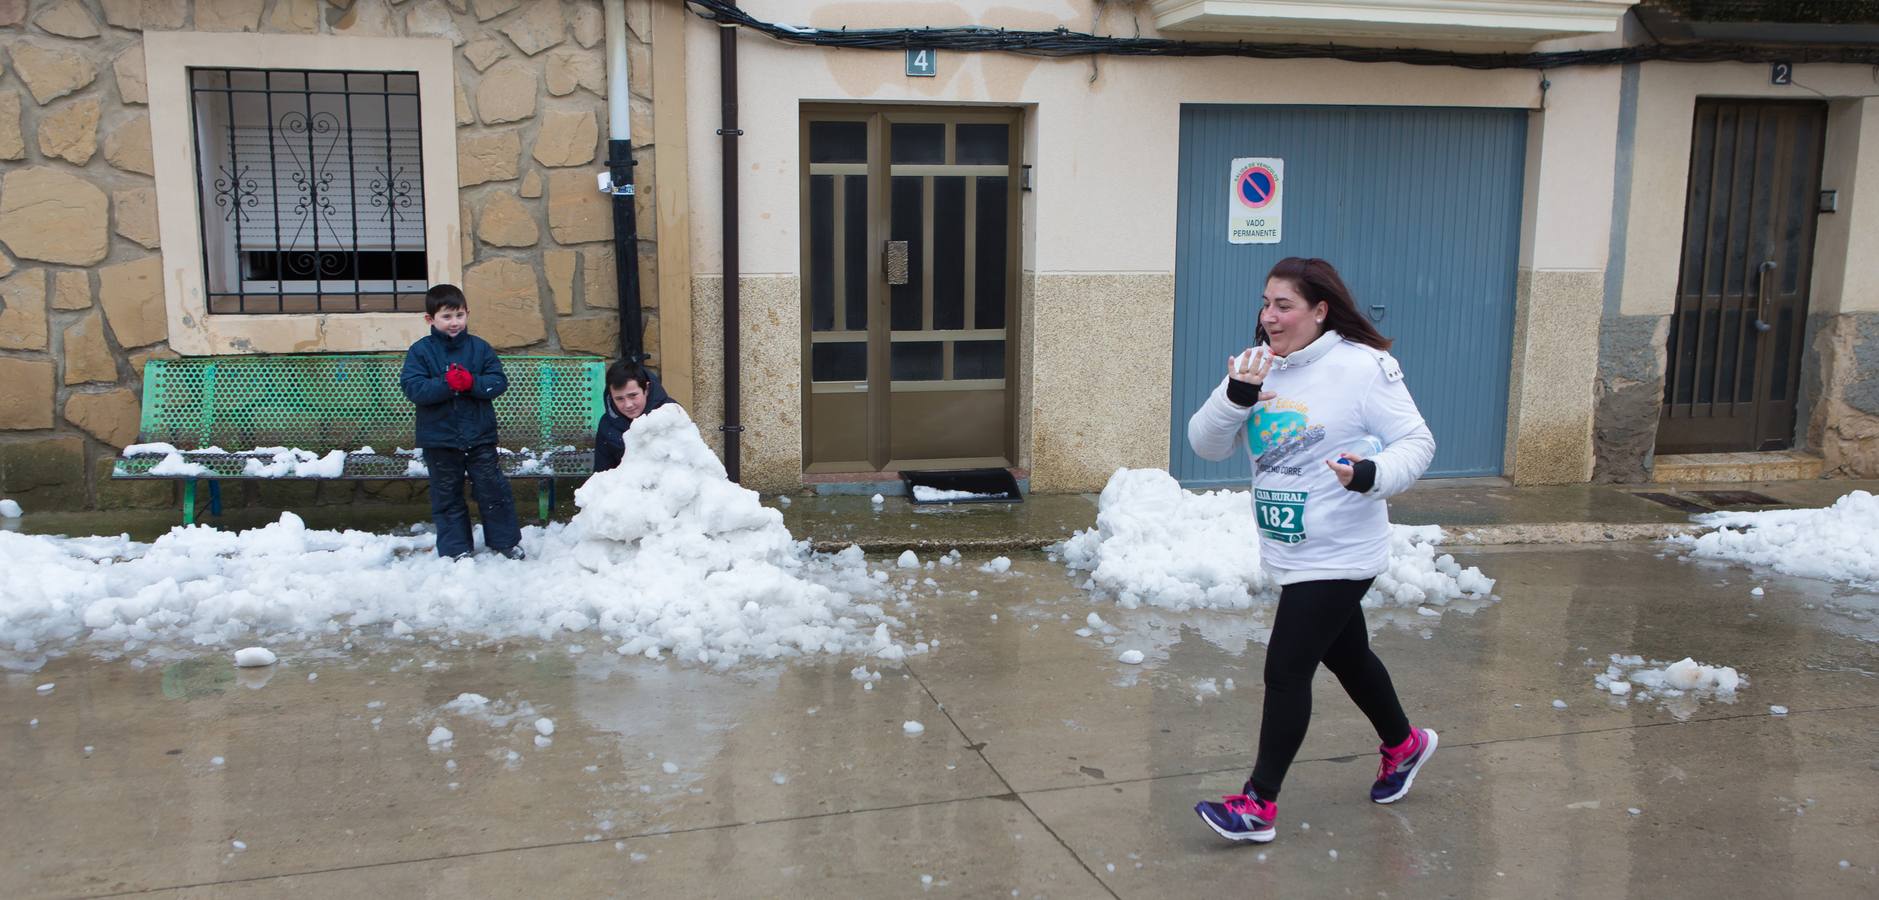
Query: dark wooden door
1736,339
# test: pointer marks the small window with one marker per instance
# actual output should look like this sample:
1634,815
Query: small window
311,187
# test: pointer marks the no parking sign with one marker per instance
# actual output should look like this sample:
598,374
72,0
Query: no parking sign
1254,203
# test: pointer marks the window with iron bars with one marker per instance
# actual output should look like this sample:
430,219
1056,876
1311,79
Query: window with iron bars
311,185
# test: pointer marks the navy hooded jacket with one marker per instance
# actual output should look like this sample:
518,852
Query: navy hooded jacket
447,418
610,437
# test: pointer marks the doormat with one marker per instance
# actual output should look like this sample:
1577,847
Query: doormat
1736,498
962,486
1673,501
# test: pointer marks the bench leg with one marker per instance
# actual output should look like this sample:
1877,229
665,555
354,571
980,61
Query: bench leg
545,498
215,497
189,502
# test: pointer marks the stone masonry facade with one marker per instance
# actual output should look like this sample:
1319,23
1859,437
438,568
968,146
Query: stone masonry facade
81,303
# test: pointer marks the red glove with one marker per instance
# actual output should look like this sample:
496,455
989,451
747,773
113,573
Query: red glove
459,378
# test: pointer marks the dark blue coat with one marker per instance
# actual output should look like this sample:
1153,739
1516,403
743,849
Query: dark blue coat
447,418
610,437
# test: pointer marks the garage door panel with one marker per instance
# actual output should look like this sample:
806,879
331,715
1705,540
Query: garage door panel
1420,210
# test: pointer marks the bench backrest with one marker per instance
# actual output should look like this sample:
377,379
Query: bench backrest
344,402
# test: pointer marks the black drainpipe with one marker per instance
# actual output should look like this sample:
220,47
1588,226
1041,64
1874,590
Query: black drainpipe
626,249
727,84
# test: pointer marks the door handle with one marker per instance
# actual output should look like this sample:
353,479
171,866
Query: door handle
894,260
1761,294
1378,311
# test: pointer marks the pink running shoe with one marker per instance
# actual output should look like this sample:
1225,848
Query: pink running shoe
1400,765
1241,817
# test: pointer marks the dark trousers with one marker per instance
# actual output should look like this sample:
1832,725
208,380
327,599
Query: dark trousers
496,502
1319,622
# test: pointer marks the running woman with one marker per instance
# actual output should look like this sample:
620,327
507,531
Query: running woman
1304,405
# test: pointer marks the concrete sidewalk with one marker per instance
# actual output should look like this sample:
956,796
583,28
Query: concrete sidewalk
1476,511
1045,767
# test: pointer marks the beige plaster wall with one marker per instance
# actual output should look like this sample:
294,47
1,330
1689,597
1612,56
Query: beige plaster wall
1667,95
1099,263
1102,388
770,403
1550,393
1847,241
1120,131
1565,241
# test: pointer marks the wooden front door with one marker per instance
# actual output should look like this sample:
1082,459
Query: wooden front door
910,302
1734,354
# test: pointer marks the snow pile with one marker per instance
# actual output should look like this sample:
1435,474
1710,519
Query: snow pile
293,462
1838,543
666,555
927,494
174,464
1156,544
1688,675
1676,683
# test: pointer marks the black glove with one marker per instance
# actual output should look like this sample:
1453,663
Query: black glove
1241,394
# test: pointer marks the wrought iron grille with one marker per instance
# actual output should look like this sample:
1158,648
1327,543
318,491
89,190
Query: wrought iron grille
311,190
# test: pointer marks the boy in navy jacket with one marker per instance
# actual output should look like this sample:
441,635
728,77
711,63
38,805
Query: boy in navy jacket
452,377
632,391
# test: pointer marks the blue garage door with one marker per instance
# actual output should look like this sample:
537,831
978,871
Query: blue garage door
1419,208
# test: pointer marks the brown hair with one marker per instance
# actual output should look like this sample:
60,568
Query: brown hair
1319,282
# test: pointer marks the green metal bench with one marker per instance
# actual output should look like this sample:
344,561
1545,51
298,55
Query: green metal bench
204,405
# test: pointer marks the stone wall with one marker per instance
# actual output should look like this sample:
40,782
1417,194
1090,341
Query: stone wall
81,304
1629,398
1844,423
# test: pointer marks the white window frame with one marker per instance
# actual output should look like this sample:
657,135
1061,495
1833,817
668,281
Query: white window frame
168,57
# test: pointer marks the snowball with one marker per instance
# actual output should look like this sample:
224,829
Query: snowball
216,760
249,657
1559,704
238,845
999,565
9,509
877,499
670,768
908,560
1777,710
912,727
47,687
439,736
1131,657
544,727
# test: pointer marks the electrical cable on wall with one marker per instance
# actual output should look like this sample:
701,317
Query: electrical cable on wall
1064,42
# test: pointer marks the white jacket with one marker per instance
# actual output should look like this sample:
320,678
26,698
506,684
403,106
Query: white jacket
1330,395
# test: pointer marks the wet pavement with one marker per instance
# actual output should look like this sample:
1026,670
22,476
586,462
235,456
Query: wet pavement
1045,768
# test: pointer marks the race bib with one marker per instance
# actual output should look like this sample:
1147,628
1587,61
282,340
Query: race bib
1281,515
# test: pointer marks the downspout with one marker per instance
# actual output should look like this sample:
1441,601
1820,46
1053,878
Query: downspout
727,86
620,174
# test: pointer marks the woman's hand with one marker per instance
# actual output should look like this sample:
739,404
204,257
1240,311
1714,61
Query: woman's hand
1251,368
1344,466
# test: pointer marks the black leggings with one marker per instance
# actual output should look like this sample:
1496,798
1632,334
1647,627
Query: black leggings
1319,621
